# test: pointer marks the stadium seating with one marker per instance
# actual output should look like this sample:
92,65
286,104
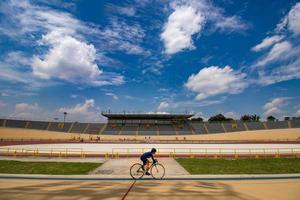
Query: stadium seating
112,129
78,127
59,126
255,126
277,125
152,127
234,126
183,129
198,127
15,123
295,123
166,129
129,129
94,128
214,127
146,129
1,122
39,125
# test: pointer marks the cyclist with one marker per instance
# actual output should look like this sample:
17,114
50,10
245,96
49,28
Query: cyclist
145,160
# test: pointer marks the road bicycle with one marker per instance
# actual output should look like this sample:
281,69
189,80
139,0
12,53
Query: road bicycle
157,170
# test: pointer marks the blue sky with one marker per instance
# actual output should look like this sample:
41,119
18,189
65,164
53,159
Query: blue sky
204,57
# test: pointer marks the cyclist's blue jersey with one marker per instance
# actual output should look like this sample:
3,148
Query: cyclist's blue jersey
147,155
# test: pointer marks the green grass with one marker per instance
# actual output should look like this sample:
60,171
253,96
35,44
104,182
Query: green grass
241,166
63,168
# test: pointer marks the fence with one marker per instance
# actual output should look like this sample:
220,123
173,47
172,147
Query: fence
50,152
212,152
162,152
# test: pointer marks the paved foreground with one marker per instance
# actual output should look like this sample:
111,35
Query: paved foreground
121,167
287,189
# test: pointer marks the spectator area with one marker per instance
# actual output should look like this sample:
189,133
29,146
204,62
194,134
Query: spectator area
151,128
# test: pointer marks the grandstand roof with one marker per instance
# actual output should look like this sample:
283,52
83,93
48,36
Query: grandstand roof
146,116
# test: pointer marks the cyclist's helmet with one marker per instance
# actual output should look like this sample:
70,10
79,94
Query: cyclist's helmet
153,150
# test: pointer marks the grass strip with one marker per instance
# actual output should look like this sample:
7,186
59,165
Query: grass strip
53,168
241,166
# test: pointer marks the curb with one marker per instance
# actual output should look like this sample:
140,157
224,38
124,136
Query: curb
206,178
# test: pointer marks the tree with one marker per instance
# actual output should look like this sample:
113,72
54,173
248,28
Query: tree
255,118
218,118
246,118
198,119
271,118
286,118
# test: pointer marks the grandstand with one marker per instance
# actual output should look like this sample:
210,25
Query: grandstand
150,125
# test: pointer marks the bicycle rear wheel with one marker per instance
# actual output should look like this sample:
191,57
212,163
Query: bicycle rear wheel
136,171
157,171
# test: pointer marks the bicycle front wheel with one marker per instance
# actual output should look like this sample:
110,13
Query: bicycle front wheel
136,171
157,171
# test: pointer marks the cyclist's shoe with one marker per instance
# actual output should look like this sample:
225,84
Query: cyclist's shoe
147,173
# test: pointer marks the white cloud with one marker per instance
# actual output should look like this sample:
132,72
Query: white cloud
4,94
231,115
84,112
24,18
283,72
267,42
26,111
291,21
120,36
130,97
73,96
2,104
129,11
211,81
79,108
163,105
297,114
17,58
197,115
189,18
228,24
282,61
14,73
275,53
294,19
183,106
182,24
274,106
161,113
68,59
114,96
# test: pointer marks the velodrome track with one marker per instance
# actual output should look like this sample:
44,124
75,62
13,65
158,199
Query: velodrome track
176,188
163,148
276,141
292,134
38,189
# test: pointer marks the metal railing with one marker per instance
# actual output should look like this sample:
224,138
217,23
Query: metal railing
208,150
164,152
51,152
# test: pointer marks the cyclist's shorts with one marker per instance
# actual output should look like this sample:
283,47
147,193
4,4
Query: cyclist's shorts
145,160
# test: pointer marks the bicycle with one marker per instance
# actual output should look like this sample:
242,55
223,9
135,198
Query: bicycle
156,170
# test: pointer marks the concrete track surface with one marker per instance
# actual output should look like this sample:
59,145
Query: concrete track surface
287,189
119,147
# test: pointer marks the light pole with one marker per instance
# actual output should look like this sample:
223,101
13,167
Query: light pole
65,115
